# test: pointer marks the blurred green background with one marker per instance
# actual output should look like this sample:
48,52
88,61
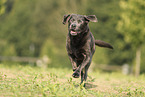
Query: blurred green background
33,28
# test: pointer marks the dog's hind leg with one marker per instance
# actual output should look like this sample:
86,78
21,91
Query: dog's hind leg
82,77
86,72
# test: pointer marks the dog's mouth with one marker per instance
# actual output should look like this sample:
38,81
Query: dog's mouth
74,33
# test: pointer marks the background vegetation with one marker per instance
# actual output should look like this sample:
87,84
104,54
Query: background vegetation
33,28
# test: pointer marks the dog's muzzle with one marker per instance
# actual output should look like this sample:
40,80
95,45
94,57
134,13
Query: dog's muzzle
73,30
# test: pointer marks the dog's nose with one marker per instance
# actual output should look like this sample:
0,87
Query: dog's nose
73,25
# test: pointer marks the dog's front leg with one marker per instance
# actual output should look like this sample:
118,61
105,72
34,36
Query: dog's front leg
74,65
77,72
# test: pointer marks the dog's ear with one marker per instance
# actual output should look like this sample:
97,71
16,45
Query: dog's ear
91,18
65,19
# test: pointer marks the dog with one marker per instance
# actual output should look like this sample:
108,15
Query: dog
80,43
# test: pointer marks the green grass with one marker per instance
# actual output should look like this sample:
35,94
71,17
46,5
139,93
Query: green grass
25,81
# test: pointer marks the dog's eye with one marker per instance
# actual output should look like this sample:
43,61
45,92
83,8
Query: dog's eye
79,21
72,20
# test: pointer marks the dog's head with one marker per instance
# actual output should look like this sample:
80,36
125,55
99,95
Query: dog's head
78,23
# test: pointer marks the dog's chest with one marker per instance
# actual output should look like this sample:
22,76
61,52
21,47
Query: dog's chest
77,47
77,51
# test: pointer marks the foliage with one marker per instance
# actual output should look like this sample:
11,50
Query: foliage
132,26
2,6
132,21
34,82
6,49
56,54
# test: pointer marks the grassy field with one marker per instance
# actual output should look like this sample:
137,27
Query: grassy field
25,81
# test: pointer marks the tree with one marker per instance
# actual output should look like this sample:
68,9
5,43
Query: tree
131,26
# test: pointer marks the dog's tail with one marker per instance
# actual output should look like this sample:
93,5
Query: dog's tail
103,44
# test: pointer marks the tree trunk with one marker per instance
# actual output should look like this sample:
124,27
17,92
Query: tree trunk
138,61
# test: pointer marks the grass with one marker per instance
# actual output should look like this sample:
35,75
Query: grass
25,81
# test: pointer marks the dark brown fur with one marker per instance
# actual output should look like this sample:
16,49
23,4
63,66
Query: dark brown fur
81,43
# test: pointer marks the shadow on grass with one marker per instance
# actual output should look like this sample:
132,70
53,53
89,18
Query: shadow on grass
90,85
87,85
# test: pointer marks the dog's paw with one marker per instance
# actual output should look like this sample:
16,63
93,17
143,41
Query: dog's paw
76,75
